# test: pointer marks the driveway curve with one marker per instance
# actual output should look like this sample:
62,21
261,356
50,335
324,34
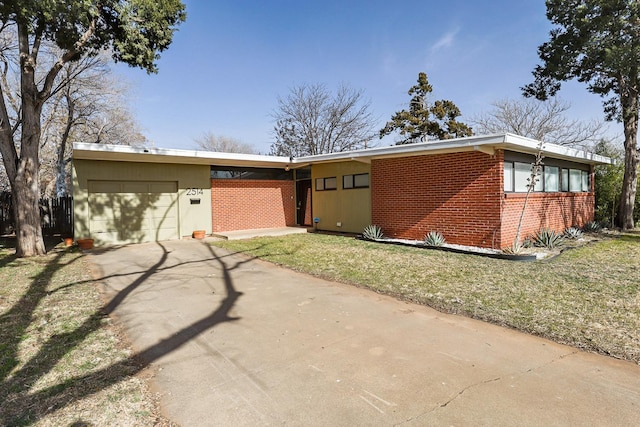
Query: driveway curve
232,340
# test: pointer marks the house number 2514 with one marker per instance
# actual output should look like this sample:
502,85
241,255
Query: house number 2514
194,191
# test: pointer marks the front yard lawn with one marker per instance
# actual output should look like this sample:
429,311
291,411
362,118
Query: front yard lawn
587,297
63,362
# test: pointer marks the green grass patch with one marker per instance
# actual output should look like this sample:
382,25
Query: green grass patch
587,297
61,361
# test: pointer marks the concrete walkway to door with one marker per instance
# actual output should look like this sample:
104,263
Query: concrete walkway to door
237,341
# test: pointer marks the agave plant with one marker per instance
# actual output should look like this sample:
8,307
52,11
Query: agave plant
372,232
547,238
572,233
515,249
434,238
591,227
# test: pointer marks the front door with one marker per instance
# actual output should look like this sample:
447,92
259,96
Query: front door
303,202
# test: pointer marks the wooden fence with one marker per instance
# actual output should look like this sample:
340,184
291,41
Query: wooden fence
56,215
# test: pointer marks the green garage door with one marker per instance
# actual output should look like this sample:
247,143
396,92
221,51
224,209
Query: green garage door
133,211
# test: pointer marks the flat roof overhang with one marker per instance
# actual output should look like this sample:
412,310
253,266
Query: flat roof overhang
486,144
125,153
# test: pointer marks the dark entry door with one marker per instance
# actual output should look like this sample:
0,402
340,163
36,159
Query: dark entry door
303,202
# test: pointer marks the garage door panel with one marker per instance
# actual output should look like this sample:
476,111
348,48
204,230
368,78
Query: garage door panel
135,187
105,187
103,226
133,211
163,187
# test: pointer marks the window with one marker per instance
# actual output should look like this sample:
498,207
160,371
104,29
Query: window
585,181
231,172
575,180
303,173
508,176
523,176
551,178
355,181
565,180
330,183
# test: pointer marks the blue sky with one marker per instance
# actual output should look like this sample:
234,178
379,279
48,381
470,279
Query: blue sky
231,60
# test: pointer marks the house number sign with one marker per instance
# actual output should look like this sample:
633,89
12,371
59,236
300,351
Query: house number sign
194,191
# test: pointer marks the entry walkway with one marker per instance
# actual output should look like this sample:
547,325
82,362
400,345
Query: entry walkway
235,341
258,232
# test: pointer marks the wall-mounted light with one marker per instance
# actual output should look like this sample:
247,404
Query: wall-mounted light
286,168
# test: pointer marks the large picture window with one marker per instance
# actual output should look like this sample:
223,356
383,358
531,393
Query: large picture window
551,178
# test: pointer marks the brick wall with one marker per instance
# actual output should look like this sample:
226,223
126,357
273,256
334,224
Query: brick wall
556,211
249,204
456,194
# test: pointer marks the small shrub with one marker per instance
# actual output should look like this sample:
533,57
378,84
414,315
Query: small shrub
572,233
434,238
514,249
591,227
372,232
546,238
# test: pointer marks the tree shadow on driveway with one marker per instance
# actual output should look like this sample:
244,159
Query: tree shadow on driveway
20,405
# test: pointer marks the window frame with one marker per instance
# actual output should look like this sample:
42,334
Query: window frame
352,178
508,179
324,182
545,181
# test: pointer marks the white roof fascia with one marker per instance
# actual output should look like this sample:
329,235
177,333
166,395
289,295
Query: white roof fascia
419,148
486,144
91,151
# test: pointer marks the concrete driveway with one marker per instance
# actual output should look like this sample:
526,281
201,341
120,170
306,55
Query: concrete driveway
236,341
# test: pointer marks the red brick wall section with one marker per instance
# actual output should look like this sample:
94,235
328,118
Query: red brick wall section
556,211
456,194
249,204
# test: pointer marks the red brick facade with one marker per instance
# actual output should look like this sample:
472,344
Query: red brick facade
556,211
461,196
249,204
456,194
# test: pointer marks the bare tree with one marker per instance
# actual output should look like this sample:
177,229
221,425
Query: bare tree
540,120
223,144
311,120
91,107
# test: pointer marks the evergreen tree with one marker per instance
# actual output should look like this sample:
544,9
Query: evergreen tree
424,121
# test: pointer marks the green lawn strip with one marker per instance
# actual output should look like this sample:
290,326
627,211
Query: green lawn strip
54,342
587,297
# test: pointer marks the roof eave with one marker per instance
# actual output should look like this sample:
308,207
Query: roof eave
89,151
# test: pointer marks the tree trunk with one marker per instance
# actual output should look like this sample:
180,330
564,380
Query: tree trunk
631,160
25,185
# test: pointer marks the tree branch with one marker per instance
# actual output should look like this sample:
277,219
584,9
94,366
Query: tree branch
69,55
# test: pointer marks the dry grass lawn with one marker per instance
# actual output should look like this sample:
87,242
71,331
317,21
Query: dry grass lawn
61,361
587,297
